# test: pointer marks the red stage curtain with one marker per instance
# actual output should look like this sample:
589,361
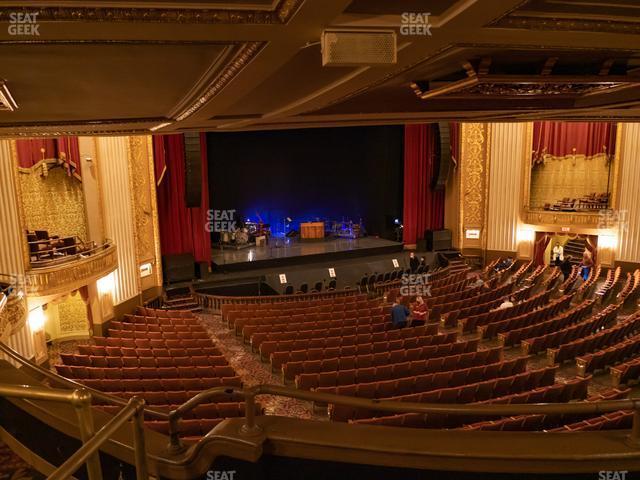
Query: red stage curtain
423,207
30,152
182,229
561,138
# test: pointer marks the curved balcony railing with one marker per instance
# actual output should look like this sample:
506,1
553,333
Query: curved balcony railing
76,271
246,438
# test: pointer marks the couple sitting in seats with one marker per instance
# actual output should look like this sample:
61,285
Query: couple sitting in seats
402,315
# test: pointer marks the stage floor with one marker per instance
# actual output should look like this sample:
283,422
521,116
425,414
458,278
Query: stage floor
287,251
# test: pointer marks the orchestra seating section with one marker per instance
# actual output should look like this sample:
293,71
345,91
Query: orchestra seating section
470,350
45,248
164,357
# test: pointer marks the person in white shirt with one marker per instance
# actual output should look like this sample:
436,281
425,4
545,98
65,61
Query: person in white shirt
507,303
557,255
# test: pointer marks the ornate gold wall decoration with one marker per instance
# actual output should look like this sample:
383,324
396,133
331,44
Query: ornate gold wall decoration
473,190
13,316
145,210
69,276
54,203
281,12
72,316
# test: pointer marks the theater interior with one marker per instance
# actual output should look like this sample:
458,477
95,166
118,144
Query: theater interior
287,239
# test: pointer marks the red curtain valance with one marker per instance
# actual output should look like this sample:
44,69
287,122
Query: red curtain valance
560,139
423,207
182,229
63,149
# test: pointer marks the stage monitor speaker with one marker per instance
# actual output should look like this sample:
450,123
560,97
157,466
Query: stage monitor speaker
193,170
438,240
178,268
442,159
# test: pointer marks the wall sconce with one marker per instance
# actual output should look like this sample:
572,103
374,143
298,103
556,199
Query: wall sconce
36,319
525,235
608,241
107,285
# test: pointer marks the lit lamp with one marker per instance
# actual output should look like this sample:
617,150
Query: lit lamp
36,319
606,245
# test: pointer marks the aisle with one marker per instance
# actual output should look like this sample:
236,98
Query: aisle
252,371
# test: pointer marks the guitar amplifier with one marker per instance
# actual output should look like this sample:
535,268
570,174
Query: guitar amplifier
438,240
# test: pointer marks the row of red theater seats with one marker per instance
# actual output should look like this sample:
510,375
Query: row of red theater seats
556,393
613,275
483,302
73,371
609,336
471,323
184,388
145,328
108,361
380,326
631,286
250,317
591,324
157,335
515,336
526,319
204,410
96,350
373,373
298,351
312,322
153,343
345,358
414,337
625,372
232,311
608,356
621,419
142,320
161,313
473,392
426,382
540,421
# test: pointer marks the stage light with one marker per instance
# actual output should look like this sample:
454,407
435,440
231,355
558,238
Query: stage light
397,221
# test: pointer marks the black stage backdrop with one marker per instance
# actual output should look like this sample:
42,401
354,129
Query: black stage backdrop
327,173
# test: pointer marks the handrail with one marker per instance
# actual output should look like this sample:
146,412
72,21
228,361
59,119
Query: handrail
68,258
251,428
72,384
80,399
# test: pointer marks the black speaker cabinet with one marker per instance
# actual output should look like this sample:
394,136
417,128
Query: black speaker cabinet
178,268
438,240
193,169
442,160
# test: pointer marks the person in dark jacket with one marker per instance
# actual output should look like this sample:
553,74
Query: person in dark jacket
566,267
414,263
400,314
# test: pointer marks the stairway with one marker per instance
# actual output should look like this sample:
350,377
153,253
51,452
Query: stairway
575,248
180,298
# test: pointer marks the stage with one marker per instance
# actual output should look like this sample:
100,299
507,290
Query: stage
288,251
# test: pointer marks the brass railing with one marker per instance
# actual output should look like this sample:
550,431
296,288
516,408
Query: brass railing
251,428
80,399
57,379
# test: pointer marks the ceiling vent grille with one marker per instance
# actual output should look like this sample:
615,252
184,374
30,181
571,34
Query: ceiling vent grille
359,47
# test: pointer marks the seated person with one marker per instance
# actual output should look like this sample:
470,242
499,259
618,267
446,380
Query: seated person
477,281
419,312
507,302
504,264
400,314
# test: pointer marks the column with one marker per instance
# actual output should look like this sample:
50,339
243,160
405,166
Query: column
628,209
